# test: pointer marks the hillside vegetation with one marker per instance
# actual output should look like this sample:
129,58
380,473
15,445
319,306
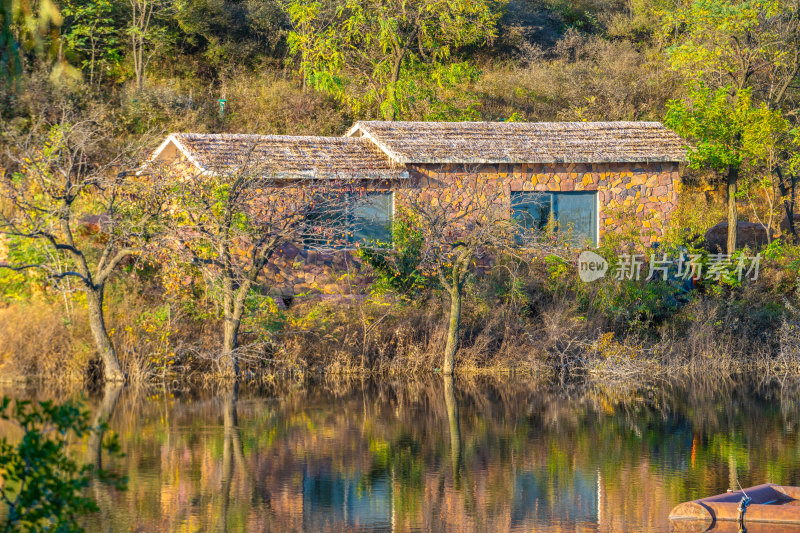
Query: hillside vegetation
88,87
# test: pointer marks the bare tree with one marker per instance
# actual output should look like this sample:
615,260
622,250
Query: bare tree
231,222
74,191
465,219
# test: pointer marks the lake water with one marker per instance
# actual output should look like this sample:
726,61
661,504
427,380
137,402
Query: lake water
471,455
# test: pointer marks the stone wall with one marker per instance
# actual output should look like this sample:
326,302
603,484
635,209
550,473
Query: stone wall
629,194
644,194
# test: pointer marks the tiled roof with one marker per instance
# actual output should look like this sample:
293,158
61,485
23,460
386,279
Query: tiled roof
282,156
523,142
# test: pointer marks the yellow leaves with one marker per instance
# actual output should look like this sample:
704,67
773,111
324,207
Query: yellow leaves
611,350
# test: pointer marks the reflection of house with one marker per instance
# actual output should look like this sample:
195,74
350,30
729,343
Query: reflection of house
591,177
554,497
337,502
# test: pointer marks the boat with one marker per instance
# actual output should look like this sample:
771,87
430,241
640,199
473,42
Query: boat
769,506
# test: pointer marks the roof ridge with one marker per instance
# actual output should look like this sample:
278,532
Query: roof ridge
284,155
419,142
508,123
266,136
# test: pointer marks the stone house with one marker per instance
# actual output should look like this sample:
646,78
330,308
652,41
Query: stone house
593,177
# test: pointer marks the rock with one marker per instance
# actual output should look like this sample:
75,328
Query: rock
747,234
785,229
331,288
290,251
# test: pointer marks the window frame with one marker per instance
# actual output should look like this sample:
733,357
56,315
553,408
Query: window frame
552,220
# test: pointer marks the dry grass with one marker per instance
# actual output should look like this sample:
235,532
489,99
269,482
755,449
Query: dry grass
36,340
548,336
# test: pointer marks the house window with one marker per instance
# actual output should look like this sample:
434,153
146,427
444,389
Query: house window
351,219
571,212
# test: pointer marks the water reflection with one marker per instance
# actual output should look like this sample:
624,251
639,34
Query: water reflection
103,493
437,455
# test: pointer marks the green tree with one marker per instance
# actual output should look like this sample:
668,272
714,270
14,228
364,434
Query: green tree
385,52
42,486
89,30
228,32
399,268
145,34
741,59
731,135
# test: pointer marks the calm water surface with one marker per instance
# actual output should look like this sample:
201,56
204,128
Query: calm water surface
477,455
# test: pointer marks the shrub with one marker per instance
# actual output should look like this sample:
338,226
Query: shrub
398,269
42,485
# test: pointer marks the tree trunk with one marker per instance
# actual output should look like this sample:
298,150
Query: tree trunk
139,72
112,371
452,331
233,319
788,196
391,90
230,341
91,64
733,217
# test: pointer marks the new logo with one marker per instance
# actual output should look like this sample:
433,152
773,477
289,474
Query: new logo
591,266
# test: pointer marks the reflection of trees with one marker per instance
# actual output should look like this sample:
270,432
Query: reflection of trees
332,455
105,410
233,460
455,428
94,451
231,440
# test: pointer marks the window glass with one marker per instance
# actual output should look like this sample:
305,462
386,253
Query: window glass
574,213
531,209
326,225
349,219
370,218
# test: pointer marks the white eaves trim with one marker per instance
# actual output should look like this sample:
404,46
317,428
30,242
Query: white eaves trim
357,131
179,146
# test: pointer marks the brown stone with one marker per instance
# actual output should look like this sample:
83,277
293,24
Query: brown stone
638,179
290,251
747,234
